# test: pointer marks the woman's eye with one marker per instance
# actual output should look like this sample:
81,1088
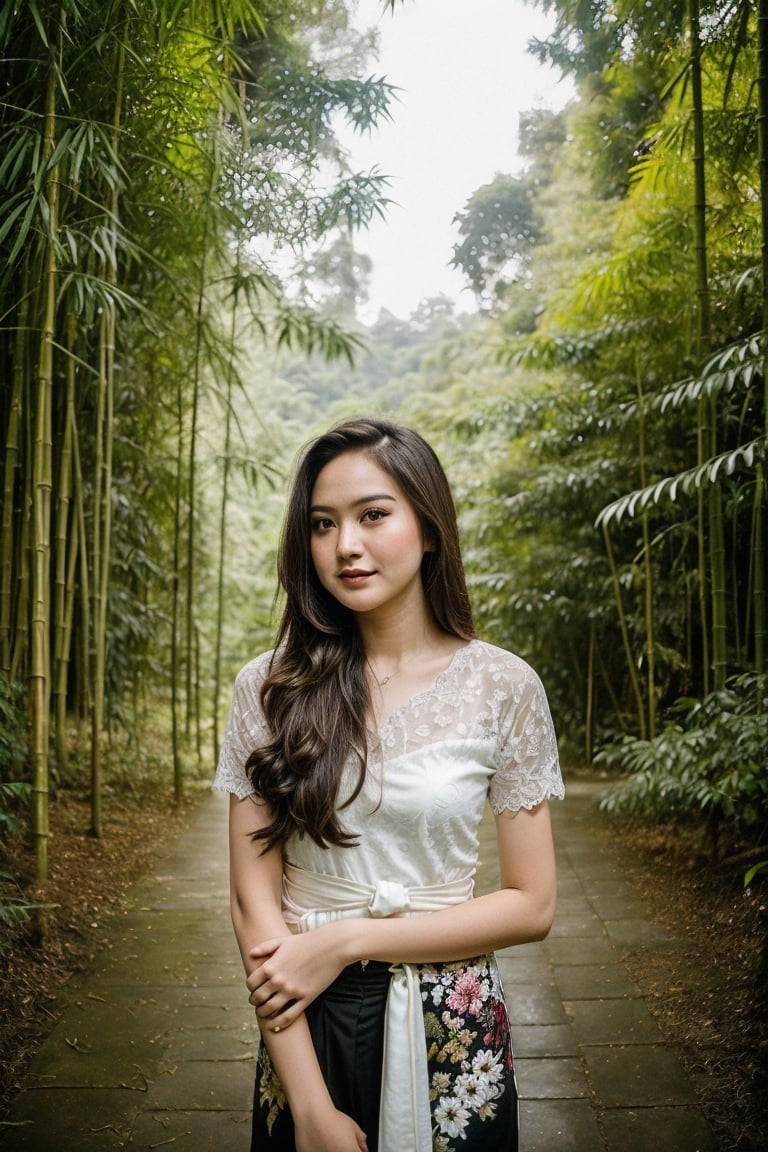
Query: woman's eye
374,514
321,524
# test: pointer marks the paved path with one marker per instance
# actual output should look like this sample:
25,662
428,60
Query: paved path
155,1049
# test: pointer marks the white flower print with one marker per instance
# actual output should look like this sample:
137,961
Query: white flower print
463,1016
476,1089
487,1111
452,1116
488,1064
452,1023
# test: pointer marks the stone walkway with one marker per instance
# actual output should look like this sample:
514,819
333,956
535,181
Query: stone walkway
155,1049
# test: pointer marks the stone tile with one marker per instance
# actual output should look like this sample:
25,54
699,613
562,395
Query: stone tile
221,1043
192,1131
559,1126
622,907
533,1004
613,1022
594,981
576,925
101,1049
543,1040
525,970
634,930
71,1120
576,905
678,1129
592,950
597,888
521,951
551,1078
568,883
210,1085
638,1076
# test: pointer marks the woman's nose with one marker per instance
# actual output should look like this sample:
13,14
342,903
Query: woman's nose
348,540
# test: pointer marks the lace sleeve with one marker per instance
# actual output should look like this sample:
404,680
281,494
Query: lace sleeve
245,728
527,764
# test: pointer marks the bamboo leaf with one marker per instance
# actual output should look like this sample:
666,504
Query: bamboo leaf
21,238
32,5
13,159
684,482
11,218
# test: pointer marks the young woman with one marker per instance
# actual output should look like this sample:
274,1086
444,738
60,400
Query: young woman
359,755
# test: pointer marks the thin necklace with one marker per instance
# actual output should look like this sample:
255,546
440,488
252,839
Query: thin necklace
386,679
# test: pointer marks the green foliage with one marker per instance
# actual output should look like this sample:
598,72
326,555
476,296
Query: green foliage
710,759
14,794
498,226
15,908
13,736
756,870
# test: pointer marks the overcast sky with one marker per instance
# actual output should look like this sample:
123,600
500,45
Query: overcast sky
465,76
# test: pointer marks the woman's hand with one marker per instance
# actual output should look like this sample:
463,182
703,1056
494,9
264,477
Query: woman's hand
333,1131
291,971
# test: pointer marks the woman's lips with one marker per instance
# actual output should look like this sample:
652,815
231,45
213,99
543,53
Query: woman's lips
354,576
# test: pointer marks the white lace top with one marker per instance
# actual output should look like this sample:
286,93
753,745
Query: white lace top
482,731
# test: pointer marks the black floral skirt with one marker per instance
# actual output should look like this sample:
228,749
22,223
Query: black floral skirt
472,1092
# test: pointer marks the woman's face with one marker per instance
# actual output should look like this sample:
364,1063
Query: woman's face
366,540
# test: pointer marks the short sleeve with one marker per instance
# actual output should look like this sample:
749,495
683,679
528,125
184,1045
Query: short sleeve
246,729
526,761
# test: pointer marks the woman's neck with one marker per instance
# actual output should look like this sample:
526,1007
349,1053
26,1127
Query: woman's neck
400,636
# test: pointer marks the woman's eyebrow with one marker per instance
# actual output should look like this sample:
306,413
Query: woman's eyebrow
355,503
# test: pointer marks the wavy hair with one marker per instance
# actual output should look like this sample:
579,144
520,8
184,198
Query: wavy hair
315,696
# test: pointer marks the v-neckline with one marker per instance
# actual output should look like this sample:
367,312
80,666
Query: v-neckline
378,728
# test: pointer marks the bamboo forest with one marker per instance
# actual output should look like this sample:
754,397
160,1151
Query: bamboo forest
182,286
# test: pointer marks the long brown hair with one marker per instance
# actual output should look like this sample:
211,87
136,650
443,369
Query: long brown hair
315,696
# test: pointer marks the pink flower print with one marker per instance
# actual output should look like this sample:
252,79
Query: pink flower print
498,1036
465,995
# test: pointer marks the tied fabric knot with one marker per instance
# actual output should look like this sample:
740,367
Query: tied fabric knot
388,899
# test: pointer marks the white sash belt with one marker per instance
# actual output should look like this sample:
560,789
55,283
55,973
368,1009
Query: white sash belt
311,899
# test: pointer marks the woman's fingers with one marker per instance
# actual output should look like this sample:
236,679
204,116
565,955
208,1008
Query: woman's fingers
265,948
278,1019
290,972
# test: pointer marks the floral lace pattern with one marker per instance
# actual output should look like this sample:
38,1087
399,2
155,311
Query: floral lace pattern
482,733
485,694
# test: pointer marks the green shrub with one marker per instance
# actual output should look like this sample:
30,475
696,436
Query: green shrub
13,754
711,759
14,749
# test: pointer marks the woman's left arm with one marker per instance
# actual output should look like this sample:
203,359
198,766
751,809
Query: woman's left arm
520,911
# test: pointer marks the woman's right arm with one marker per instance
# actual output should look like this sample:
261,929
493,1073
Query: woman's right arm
256,893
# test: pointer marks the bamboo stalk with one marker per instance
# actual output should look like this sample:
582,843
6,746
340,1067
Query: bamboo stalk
178,776
590,701
217,657
650,634
23,577
11,463
192,680
635,683
63,539
42,486
716,549
84,648
103,501
97,690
